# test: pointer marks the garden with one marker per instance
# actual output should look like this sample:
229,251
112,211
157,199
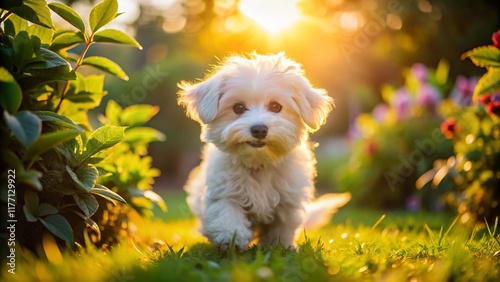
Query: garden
95,149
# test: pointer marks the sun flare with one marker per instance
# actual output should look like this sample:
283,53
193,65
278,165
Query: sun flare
272,15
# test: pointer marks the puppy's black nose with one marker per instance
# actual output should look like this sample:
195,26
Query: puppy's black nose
259,131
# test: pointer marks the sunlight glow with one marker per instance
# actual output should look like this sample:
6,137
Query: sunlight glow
272,15
350,21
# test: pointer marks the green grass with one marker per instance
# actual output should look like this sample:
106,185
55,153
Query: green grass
359,245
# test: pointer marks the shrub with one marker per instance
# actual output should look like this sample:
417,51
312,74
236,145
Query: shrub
397,142
475,131
63,176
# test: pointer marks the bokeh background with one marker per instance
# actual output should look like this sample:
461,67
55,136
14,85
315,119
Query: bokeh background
351,48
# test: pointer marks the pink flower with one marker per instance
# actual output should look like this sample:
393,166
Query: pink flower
463,90
401,104
428,97
380,112
413,203
353,133
419,71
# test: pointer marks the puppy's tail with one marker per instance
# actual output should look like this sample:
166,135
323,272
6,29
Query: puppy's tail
320,210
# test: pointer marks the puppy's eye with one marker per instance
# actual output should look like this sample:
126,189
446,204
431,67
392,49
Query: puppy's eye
275,107
238,108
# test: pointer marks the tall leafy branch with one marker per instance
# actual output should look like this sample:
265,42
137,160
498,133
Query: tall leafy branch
71,178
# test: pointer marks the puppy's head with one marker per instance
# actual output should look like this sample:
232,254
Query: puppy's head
257,105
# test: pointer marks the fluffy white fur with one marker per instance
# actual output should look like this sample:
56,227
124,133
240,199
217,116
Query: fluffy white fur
254,192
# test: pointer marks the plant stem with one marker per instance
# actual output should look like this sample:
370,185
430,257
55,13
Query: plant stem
88,42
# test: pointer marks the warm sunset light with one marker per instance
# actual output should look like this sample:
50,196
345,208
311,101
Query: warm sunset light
350,21
272,15
249,140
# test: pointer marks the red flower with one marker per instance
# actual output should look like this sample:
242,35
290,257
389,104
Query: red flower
484,100
449,128
371,148
494,108
496,39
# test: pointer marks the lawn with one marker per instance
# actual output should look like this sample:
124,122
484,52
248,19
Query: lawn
358,245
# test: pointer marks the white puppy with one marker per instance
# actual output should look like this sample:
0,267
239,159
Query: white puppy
257,171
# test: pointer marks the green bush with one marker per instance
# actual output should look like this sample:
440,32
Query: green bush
449,149
397,142
475,131
63,176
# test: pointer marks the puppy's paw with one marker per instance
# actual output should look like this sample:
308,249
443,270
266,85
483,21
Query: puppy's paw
242,237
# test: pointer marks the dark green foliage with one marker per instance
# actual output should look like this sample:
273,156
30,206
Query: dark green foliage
70,179
475,166
474,128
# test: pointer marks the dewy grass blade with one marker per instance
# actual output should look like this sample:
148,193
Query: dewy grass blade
378,222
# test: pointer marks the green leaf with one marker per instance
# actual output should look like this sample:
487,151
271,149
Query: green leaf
70,150
48,141
119,14
106,65
9,4
85,177
150,195
102,14
30,207
87,203
51,60
103,138
58,120
11,96
67,40
11,159
30,177
137,114
116,36
7,58
84,93
488,83
59,226
484,56
35,77
91,224
143,135
113,112
25,126
68,14
15,24
35,11
45,209
52,68
26,50
30,217
107,194
43,33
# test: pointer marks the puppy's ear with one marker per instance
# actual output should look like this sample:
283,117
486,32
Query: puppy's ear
201,99
314,105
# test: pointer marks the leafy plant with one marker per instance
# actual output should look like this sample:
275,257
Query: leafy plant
487,57
475,131
61,164
397,142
